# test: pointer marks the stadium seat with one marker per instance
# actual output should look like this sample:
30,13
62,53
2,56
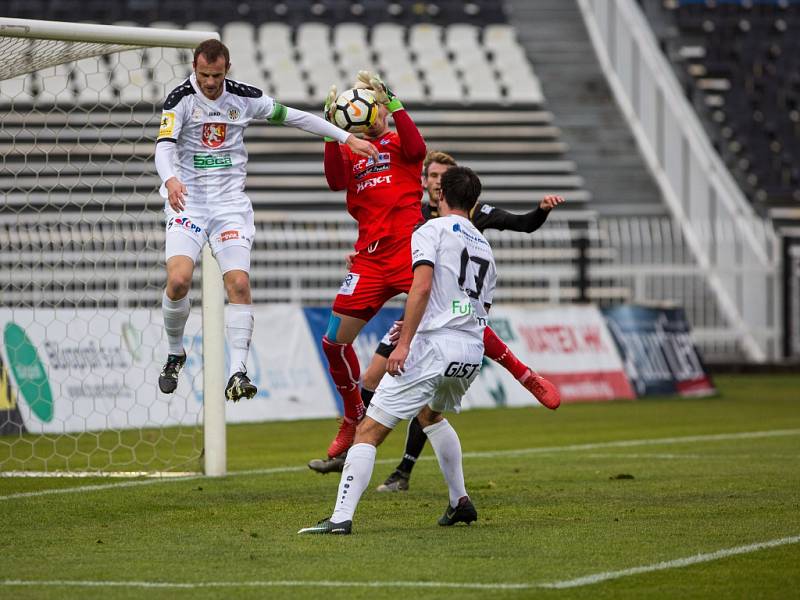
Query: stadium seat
350,42
424,36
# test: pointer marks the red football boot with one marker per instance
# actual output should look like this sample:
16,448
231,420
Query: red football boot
544,391
344,439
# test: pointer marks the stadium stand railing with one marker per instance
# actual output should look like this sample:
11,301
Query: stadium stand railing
697,188
740,65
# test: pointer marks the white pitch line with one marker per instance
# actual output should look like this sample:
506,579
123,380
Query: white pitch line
690,439
567,583
271,584
670,564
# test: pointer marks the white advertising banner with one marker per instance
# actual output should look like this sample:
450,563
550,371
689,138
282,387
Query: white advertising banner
82,370
86,370
569,345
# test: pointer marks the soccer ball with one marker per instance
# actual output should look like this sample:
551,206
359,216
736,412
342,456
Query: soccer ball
355,110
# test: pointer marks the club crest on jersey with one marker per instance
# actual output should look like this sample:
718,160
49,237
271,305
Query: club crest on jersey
213,134
233,114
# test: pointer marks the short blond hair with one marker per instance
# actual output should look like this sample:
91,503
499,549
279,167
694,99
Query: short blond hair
435,156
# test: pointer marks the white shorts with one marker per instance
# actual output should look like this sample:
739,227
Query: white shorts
439,370
231,224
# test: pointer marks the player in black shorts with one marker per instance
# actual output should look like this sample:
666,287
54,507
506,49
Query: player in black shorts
483,216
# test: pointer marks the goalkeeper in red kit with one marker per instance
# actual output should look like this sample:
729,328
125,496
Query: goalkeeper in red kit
384,197
483,216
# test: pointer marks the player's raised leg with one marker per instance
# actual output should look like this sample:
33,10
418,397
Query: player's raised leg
544,391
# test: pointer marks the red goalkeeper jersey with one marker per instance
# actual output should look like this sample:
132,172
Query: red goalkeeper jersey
383,196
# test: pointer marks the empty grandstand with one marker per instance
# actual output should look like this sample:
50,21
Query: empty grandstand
81,224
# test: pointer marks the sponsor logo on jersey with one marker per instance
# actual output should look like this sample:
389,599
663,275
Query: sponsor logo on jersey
214,113
385,141
487,208
213,134
197,114
212,161
184,223
232,234
371,183
349,284
233,114
366,166
167,125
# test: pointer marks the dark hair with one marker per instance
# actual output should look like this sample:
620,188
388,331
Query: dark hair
212,49
461,188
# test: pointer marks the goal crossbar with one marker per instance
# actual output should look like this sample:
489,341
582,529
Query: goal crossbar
104,34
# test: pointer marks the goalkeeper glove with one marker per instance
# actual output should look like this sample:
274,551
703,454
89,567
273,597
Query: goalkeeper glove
383,94
330,106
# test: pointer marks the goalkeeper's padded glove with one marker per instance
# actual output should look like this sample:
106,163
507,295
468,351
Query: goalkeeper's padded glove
330,106
383,94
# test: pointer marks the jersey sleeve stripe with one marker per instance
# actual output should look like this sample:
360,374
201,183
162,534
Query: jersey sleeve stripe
419,263
278,115
173,140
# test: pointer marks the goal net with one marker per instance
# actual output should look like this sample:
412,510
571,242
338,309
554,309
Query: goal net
81,245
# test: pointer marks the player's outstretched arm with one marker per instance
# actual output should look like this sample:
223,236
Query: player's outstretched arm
417,301
301,119
490,217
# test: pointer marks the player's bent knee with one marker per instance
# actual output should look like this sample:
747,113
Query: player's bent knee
427,417
237,284
178,286
372,432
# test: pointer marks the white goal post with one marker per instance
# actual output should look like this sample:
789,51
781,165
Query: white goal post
79,227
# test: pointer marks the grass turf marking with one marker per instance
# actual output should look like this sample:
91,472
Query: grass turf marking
671,564
564,584
689,439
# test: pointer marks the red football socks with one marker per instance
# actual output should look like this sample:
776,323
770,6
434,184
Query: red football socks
346,372
496,349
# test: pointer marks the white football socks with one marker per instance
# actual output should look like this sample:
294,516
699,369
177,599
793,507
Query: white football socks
447,447
356,474
175,313
239,332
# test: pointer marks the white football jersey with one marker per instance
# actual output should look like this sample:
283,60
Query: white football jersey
209,135
464,274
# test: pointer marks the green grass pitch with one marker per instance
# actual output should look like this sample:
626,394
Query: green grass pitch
588,491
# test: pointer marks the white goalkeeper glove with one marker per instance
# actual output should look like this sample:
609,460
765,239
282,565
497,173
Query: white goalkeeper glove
383,94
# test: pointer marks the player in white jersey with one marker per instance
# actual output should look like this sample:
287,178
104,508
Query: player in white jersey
201,159
438,354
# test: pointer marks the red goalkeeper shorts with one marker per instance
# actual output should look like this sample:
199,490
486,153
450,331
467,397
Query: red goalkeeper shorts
375,277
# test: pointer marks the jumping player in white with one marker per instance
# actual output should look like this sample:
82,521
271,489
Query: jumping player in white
438,354
201,159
